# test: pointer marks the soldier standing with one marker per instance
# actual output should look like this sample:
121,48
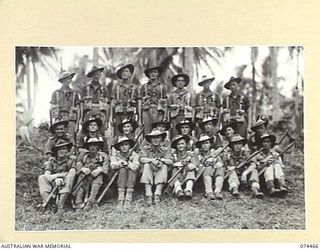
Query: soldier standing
65,103
180,102
125,102
208,103
154,99
95,99
236,106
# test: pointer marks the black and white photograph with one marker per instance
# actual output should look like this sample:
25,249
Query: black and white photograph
126,138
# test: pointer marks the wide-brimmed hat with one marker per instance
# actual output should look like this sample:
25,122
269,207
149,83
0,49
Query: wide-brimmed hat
207,119
94,70
178,138
185,122
122,139
58,121
61,143
94,141
148,70
65,74
206,79
232,79
233,125
260,121
237,138
204,138
154,133
122,67
125,121
175,77
164,122
86,124
264,136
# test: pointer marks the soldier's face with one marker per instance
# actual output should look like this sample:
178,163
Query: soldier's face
181,145
126,73
96,76
127,128
185,129
180,82
208,126
93,148
124,147
260,130
205,146
206,85
62,152
60,130
229,132
93,127
156,140
236,146
234,87
266,143
154,74
66,82
161,127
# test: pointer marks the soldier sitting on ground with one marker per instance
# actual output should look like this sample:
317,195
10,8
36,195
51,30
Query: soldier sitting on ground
155,160
185,128
91,166
185,163
127,165
58,171
207,125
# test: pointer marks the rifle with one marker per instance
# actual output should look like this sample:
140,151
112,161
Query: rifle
44,205
283,136
204,161
240,165
117,172
275,158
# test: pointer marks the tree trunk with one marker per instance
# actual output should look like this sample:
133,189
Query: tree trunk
254,55
95,56
187,66
274,78
28,83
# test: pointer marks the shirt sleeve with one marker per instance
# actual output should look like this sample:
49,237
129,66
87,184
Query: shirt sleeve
54,98
49,167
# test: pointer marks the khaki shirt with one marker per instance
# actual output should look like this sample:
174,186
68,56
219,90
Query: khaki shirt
54,166
211,98
150,151
100,160
202,157
65,99
187,157
96,92
151,94
233,160
115,160
262,158
235,103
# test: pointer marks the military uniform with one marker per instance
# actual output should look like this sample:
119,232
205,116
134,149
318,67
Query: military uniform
95,99
125,98
181,107
235,108
65,103
208,103
91,184
154,104
50,144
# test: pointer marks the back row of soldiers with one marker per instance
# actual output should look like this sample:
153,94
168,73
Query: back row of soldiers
217,155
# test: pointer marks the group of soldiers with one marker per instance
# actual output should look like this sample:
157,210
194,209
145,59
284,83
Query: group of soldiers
166,141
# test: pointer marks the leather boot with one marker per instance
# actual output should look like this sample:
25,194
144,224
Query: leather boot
272,191
62,201
282,187
257,194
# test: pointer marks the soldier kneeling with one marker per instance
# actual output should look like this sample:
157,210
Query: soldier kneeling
91,166
59,171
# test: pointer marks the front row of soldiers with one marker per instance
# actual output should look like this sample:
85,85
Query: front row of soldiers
159,163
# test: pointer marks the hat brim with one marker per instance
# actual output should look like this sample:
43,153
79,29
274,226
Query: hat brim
66,76
227,85
207,80
243,141
191,125
223,130
258,124
133,123
119,71
175,77
175,142
91,73
117,145
87,123
201,124
198,143
88,144
149,137
55,148
53,126
155,124
271,137
159,69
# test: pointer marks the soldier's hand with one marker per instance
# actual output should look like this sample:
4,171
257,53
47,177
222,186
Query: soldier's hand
231,168
155,161
191,167
86,171
58,182
96,172
178,164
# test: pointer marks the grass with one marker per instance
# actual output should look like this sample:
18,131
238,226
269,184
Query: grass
231,213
